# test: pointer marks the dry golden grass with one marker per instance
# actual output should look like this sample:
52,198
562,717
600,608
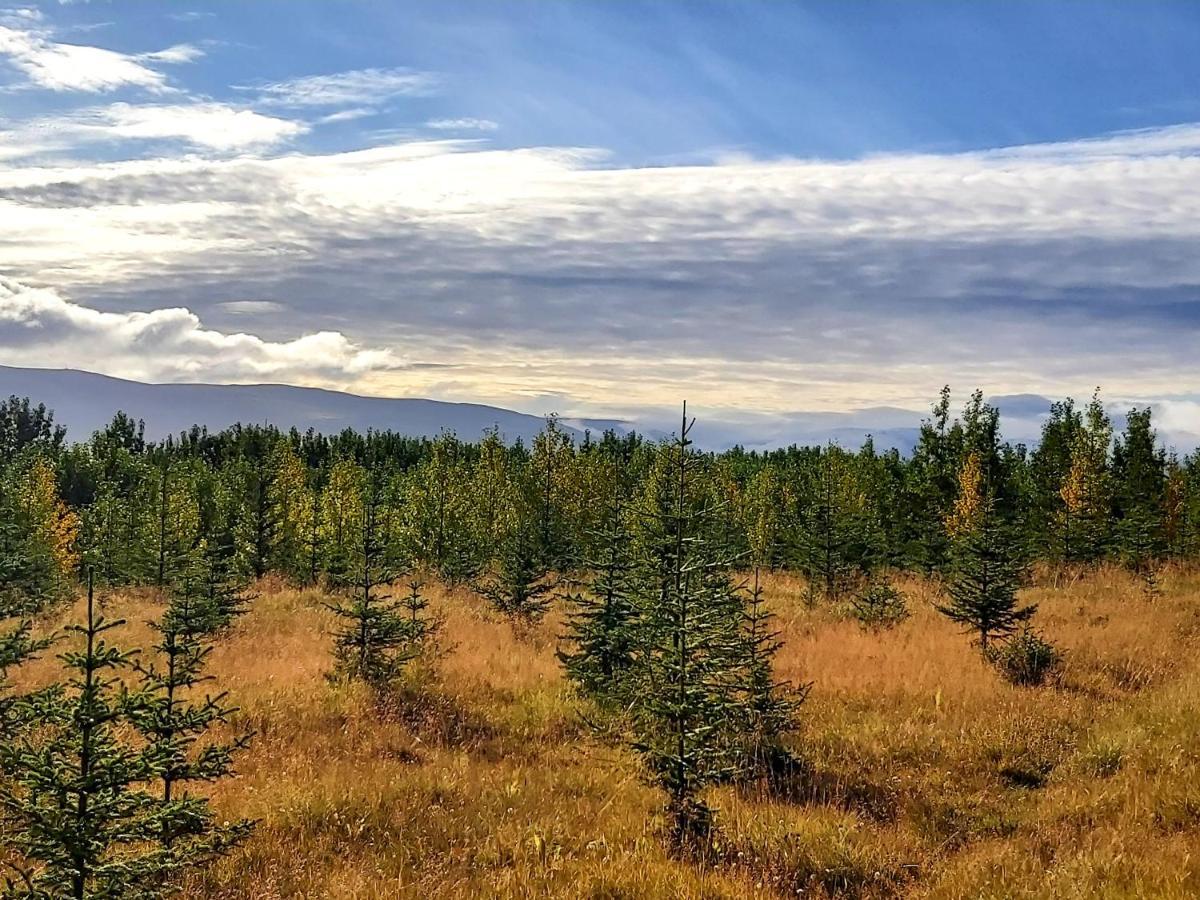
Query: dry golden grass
928,775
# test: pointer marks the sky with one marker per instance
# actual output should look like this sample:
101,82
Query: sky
601,209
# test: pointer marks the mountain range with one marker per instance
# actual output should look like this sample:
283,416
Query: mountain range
86,401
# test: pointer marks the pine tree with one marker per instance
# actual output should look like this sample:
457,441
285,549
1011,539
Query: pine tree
17,645
518,586
423,627
767,707
692,647
602,627
225,594
82,824
833,541
984,578
173,724
373,640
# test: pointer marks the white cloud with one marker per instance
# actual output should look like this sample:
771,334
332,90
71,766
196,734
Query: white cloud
179,53
60,67
358,87
215,126
462,124
39,327
348,115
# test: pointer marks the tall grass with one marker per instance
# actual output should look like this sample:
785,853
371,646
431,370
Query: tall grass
926,775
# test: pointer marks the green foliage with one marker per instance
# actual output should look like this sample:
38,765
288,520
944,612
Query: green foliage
519,584
373,639
17,645
173,722
834,539
693,649
765,708
74,794
879,606
603,624
1026,658
264,501
984,580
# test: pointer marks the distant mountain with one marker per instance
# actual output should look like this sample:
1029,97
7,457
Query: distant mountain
85,402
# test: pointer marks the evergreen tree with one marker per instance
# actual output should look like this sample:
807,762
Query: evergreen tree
603,624
767,707
17,645
423,628
1139,478
173,724
518,586
692,649
549,470
984,579
833,540
82,825
373,640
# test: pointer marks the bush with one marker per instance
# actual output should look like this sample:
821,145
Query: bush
1026,658
879,607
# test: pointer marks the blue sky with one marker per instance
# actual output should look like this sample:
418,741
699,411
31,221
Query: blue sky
657,82
599,208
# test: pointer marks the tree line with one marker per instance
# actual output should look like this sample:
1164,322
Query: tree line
253,500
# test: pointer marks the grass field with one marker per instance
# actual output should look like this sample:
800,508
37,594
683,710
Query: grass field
928,776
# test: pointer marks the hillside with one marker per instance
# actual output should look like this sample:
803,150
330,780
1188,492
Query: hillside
85,401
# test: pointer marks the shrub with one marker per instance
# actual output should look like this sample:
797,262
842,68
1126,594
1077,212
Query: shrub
1026,658
879,607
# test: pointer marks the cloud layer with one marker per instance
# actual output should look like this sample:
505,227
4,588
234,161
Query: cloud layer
553,278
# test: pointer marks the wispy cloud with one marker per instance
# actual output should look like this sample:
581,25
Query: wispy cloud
467,124
52,65
358,87
210,125
179,53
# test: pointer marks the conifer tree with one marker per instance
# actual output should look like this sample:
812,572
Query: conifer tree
423,628
603,624
176,521
518,585
984,578
17,645
929,490
373,640
1086,491
833,540
225,594
82,825
1140,476
692,647
289,498
341,517
767,707
173,723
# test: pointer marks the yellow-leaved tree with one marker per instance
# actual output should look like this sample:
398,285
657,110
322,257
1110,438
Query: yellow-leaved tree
51,528
968,507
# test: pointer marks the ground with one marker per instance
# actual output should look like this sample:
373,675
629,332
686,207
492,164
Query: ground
927,774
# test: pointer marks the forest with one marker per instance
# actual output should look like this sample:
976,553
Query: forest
273,664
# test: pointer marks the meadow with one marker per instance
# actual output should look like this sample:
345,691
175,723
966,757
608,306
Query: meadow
924,773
